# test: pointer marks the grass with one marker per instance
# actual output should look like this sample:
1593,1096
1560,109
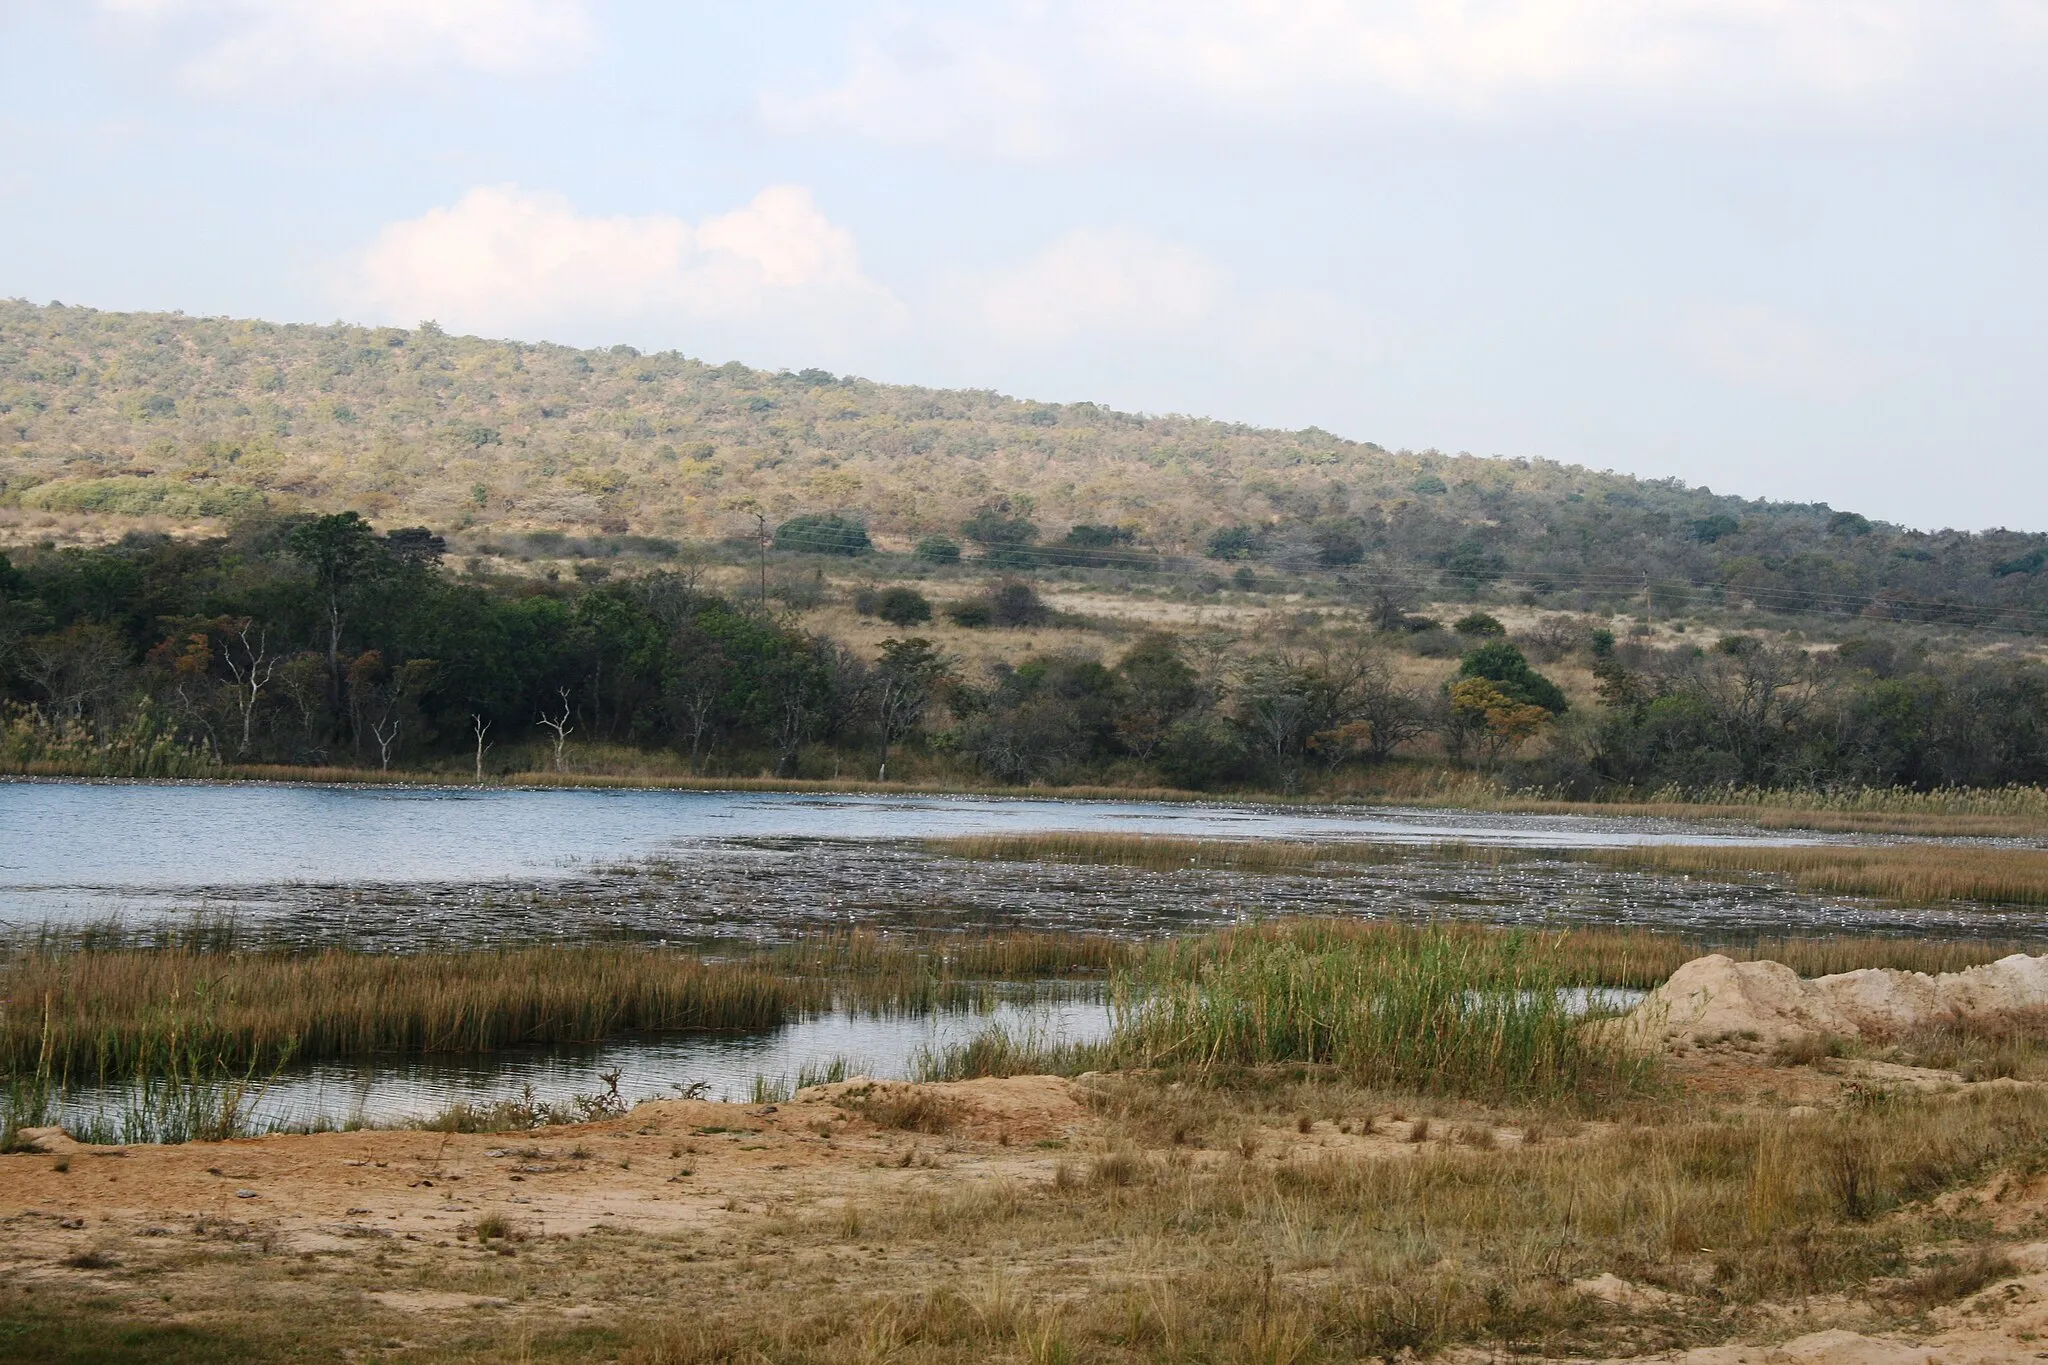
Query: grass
100,1015
105,1005
1916,873
1912,873
1429,1009
1191,1223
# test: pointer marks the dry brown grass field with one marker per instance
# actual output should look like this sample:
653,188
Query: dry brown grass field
1882,1203
1273,1216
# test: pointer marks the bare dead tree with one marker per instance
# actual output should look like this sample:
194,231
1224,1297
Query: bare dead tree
482,727
252,672
385,730
559,725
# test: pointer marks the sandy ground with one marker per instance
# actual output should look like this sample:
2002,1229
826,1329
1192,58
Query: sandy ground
70,1215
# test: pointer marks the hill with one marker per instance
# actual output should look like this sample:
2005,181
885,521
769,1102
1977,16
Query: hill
119,420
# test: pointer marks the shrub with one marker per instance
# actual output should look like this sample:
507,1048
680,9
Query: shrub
1015,605
938,550
903,607
823,535
973,613
1237,542
1338,546
1479,623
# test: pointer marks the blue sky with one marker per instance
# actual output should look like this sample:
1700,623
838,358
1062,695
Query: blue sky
1786,248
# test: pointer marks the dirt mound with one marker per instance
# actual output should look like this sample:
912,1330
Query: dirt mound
1715,999
991,1109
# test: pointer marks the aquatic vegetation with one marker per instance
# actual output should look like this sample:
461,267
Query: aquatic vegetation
100,1016
1917,873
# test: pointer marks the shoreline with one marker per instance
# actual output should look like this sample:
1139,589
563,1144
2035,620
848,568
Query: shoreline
1879,812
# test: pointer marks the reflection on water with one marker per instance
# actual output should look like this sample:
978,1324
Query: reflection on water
713,1065
81,849
725,1065
395,869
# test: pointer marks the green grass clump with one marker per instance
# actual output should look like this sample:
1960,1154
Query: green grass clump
1427,1010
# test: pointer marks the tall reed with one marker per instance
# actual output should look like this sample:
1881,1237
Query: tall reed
1913,873
101,1016
1916,873
1424,1009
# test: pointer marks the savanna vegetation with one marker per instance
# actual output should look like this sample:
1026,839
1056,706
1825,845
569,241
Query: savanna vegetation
321,643
172,420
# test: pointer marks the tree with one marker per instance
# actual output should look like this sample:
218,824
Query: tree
344,556
559,726
1158,690
383,698
937,549
251,664
908,676
1499,721
1275,704
1237,542
77,669
829,534
1016,605
1004,530
1500,663
903,606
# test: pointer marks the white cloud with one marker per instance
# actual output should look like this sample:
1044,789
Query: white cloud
1116,280
1035,76
233,46
507,261
1753,347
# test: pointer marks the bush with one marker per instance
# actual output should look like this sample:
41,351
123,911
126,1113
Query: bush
1237,542
1479,623
1337,547
1015,605
823,535
903,607
938,550
974,613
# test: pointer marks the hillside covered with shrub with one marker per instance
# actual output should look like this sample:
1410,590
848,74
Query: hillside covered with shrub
179,422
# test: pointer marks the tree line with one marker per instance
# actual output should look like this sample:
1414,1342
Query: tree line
318,640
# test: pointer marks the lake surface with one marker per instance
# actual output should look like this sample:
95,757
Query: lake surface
396,869
399,868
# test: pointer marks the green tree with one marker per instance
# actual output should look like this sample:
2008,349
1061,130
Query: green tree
345,557
909,675
1500,663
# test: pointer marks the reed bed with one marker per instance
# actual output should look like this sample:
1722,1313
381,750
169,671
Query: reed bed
1912,873
98,1016
101,1001
1158,853
1916,873
1426,1009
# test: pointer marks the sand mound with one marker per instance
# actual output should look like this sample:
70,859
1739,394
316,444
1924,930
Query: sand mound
1016,1108
1715,999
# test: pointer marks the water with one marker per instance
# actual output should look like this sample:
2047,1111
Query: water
724,1065
716,1066
465,858
393,869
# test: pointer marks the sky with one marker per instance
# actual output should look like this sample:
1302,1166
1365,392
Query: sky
1783,248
